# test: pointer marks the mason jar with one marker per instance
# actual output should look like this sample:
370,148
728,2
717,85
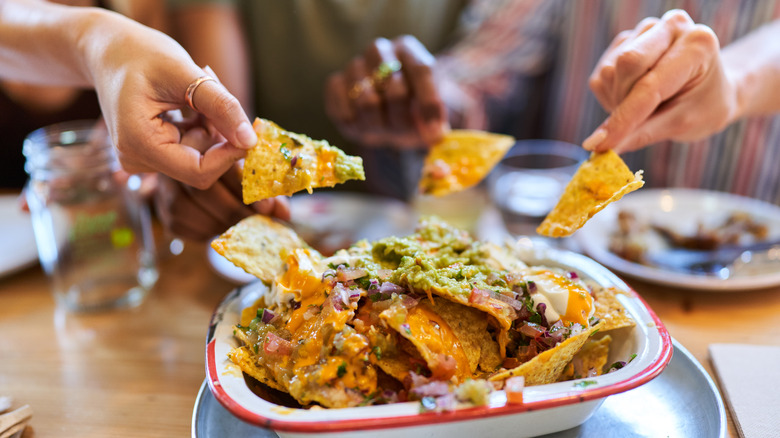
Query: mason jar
92,228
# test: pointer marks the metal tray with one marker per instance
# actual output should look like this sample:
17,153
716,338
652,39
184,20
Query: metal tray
681,402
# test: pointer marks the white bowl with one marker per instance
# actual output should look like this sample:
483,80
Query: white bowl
545,408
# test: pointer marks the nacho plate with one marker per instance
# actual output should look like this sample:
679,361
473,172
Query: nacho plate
546,408
601,180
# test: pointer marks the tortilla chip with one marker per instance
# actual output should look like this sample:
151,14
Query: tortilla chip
548,365
255,245
470,327
461,160
601,180
593,355
244,359
609,310
398,366
284,162
433,338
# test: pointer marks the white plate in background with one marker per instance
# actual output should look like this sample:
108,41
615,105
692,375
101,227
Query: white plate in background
682,210
17,241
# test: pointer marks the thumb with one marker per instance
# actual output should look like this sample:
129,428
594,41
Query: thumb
225,113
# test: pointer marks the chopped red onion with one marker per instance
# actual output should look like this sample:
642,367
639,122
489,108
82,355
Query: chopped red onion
531,330
346,274
269,315
541,308
446,402
573,275
517,305
388,288
435,388
531,285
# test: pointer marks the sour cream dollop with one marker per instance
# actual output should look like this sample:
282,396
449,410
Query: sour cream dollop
566,298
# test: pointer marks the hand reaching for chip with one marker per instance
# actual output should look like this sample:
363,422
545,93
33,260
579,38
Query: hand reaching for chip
388,96
196,214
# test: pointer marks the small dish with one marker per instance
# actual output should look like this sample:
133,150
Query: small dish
546,408
681,208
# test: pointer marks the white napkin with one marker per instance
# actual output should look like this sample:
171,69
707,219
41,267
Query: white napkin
749,377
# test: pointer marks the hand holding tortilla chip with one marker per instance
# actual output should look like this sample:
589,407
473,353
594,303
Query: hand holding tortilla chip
601,180
284,162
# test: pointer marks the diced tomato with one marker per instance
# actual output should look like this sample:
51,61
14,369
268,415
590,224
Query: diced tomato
514,389
479,296
276,345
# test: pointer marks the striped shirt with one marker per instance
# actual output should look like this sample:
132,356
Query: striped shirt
526,68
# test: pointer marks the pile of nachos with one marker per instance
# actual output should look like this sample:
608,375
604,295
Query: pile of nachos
435,316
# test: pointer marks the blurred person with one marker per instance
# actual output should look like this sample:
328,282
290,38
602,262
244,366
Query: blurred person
669,79
525,71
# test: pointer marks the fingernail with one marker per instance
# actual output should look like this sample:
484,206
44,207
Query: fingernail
595,139
246,136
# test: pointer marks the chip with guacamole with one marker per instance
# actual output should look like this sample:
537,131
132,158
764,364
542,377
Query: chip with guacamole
601,180
285,162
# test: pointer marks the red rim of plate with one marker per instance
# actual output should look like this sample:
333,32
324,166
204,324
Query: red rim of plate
579,396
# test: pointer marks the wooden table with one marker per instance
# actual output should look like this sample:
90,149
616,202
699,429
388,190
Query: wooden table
132,373
136,373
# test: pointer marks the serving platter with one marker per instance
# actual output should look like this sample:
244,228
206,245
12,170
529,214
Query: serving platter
546,408
683,210
682,401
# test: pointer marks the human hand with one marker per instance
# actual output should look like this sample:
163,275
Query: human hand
141,74
388,96
663,80
195,214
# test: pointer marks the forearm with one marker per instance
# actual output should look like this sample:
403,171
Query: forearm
39,42
752,63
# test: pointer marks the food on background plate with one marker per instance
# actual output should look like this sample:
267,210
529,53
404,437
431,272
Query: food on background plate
636,236
435,316
284,162
461,159
601,180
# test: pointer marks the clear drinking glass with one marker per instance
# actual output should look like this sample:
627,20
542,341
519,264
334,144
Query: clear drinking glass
92,230
529,180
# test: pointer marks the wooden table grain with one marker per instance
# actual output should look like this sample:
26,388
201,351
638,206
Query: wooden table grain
128,373
136,373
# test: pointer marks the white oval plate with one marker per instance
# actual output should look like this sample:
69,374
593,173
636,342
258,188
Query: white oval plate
546,408
682,209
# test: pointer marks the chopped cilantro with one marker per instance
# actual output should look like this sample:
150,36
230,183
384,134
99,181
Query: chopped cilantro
342,369
584,383
632,357
377,352
285,152
594,332
364,282
256,348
